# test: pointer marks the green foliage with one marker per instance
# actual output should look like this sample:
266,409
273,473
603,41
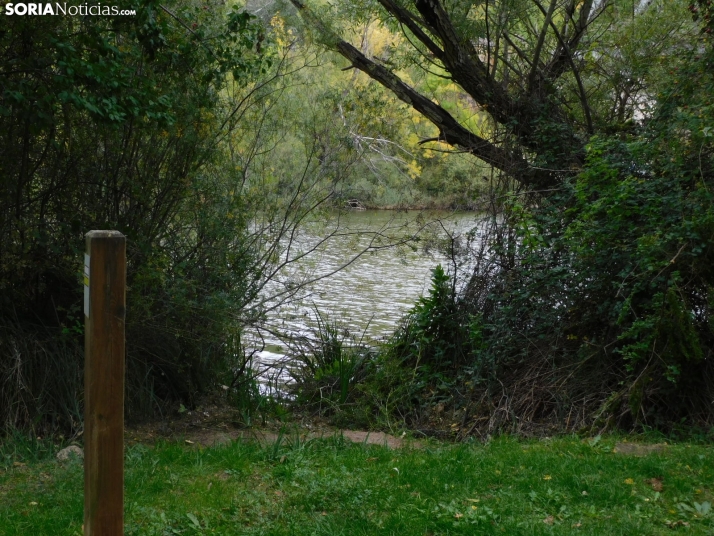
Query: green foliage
429,353
325,367
431,339
703,13
116,123
456,181
597,297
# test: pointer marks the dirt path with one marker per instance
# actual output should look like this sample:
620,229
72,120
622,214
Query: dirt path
206,437
215,425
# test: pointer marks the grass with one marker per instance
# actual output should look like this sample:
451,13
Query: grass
331,487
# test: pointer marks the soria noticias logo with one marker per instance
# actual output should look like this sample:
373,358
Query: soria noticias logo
54,9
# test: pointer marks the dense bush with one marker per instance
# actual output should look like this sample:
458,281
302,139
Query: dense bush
591,306
115,123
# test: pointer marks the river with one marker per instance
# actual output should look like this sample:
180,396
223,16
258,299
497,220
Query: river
375,286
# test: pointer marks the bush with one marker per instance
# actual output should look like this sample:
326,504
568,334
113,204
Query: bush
326,365
88,143
590,307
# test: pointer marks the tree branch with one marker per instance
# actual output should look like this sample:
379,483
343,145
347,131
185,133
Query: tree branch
451,130
539,46
406,18
576,73
467,69
520,117
559,62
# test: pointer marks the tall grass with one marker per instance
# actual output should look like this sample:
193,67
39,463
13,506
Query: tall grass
41,378
326,364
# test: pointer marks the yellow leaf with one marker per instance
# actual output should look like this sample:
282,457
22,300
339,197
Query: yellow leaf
413,169
629,481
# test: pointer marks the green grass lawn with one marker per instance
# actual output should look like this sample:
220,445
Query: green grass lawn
332,487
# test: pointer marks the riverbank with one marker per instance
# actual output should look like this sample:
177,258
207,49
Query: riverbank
436,204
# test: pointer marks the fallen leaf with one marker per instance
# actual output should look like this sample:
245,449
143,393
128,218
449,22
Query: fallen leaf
547,477
189,442
549,520
656,483
678,523
577,525
629,482
458,515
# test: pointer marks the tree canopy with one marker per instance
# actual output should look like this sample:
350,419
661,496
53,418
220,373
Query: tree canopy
547,76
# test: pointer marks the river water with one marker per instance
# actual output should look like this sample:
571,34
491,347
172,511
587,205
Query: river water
367,283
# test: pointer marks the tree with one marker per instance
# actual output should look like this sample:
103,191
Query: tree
529,66
113,123
178,128
590,296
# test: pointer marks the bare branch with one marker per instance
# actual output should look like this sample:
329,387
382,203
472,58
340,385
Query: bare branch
408,20
539,46
566,53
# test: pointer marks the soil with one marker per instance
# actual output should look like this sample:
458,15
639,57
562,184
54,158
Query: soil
639,450
215,424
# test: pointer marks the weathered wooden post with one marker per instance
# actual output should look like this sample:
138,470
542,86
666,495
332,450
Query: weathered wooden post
104,310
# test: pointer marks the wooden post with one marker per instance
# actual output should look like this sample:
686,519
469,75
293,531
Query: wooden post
104,310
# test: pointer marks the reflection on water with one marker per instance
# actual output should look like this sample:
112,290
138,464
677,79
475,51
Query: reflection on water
374,289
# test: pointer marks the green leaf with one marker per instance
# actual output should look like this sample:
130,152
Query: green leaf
194,520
